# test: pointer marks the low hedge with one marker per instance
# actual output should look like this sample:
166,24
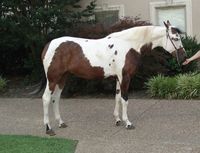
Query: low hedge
183,86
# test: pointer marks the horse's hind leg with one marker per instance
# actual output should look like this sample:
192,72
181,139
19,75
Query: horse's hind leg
117,104
55,99
46,101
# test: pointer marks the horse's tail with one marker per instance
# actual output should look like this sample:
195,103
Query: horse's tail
43,81
40,86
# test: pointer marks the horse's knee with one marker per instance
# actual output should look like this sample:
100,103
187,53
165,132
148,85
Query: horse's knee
125,86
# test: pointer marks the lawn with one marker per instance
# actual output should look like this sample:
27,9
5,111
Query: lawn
32,144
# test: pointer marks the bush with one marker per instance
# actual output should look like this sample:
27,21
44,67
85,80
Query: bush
26,26
3,83
183,86
78,86
161,87
188,86
96,31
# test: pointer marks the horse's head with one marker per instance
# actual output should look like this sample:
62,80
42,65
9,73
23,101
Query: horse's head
173,43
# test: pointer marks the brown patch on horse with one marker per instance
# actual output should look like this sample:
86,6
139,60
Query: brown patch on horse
69,58
132,62
44,51
146,49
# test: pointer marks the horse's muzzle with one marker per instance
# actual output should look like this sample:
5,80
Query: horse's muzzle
180,55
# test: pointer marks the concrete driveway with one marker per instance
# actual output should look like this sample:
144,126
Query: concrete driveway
162,126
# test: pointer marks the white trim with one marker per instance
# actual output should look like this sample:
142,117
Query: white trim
106,7
169,3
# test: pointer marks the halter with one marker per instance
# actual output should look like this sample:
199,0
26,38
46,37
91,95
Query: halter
176,49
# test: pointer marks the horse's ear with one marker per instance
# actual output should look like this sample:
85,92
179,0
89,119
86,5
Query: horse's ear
169,24
166,25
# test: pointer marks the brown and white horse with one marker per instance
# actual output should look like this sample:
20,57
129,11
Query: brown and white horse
116,55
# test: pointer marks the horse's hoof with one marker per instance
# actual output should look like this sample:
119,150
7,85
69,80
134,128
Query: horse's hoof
130,127
50,132
63,125
118,123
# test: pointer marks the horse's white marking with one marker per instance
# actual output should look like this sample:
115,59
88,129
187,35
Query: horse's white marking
124,112
46,101
56,98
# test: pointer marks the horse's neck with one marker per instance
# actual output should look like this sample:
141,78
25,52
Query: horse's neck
159,37
142,35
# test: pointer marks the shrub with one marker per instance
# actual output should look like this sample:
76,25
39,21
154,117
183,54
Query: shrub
78,87
188,86
96,31
3,83
161,87
183,86
25,26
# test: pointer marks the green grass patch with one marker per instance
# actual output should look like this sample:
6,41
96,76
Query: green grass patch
32,144
183,86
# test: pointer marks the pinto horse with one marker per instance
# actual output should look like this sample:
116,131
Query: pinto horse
116,55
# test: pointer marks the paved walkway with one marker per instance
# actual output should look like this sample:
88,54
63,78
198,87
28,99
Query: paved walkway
162,126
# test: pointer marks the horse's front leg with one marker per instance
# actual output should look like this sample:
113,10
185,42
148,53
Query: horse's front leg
117,104
124,100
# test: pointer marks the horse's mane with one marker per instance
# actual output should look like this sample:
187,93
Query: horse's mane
131,33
